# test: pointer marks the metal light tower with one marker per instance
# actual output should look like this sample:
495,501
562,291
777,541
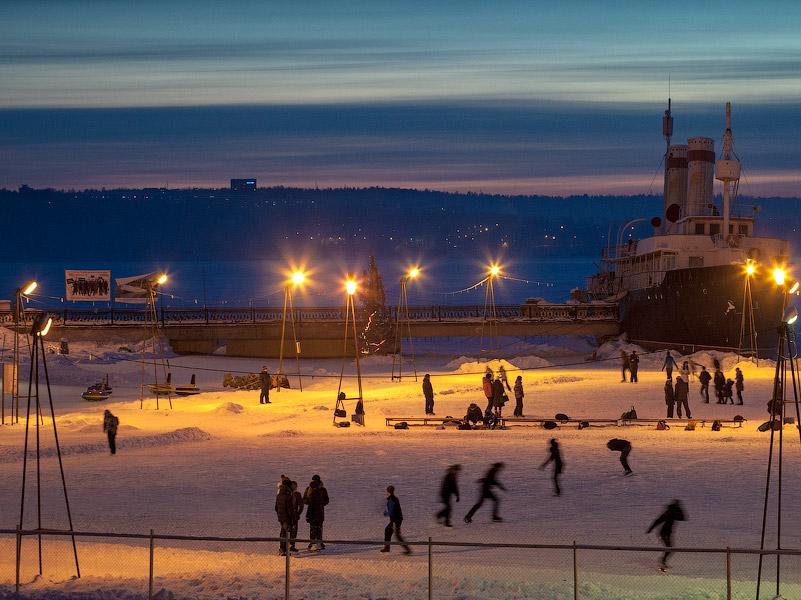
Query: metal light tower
296,279
403,314
748,333
350,323
151,329
727,170
786,355
41,326
489,324
19,319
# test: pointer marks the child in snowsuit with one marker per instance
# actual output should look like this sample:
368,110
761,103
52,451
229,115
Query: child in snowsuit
728,392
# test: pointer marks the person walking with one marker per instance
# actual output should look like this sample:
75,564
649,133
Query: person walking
669,365
704,378
285,512
670,397
316,499
518,396
449,488
685,372
488,482
719,381
555,457
682,392
728,392
503,377
395,515
624,365
634,366
110,425
739,384
624,447
428,393
265,381
487,385
673,512
499,396
297,511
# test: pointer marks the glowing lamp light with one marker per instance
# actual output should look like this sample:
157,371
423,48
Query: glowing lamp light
350,287
298,277
414,272
795,287
46,329
750,269
494,270
790,315
162,279
29,289
779,276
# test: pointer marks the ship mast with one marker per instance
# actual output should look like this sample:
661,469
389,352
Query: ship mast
727,170
667,131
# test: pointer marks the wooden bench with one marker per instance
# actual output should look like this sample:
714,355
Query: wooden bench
538,421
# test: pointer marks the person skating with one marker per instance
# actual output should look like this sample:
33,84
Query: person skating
316,499
503,377
685,372
487,386
682,393
395,515
428,393
624,365
669,365
673,512
110,425
285,512
704,378
719,381
499,396
555,457
265,381
624,447
449,488
518,396
634,366
728,391
739,384
670,398
297,511
488,482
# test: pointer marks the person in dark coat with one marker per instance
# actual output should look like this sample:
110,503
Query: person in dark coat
670,398
555,457
669,365
474,414
265,381
487,386
395,515
286,513
728,391
624,447
682,392
316,499
110,425
297,511
450,487
428,393
739,384
518,389
704,378
499,396
719,380
673,512
634,366
488,482
625,365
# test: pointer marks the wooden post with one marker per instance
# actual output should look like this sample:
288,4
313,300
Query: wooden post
575,573
19,551
728,573
286,568
150,577
430,573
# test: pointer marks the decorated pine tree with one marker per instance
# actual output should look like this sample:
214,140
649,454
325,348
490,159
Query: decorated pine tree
377,325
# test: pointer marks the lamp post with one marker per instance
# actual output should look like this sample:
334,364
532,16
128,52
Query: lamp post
748,332
785,355
151,328
403,311
19,319
350,320
490,320
296,279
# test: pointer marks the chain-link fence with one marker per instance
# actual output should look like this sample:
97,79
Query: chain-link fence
160,566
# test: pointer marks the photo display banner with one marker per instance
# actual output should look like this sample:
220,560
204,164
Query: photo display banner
134,290
87,286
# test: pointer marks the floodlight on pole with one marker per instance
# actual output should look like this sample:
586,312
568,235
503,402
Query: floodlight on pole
413,272
750,269
350,287
162,279
794,288
30,288
298,278
495,270
46,329
779,276
403,329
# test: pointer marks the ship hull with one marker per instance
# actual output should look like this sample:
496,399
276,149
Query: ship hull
701,308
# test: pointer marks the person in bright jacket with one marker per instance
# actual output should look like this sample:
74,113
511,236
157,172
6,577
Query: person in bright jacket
704,378
428,393
285,512
316,499
518,396
395,515
487,385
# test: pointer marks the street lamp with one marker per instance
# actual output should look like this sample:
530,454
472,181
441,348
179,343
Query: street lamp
403,310
29,289
748,332
19,317
162,279
350,287
296,279
490,313
779,275
350,329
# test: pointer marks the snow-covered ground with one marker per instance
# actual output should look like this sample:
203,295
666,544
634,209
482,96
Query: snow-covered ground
209,466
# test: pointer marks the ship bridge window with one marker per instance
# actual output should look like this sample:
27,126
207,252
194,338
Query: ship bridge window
742,229
699,228
696,261
714,228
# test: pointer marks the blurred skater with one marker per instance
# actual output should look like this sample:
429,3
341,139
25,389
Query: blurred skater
555,457
669,365
673,512
704,378
428,393
450,487
110,425
395,515
670,398
624,365
624,447
519,396
488,482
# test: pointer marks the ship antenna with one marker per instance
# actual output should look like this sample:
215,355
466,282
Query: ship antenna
728,171
667,132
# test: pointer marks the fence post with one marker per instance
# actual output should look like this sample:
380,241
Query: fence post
286,568
150,576
19,550
728,573
430,573
575,573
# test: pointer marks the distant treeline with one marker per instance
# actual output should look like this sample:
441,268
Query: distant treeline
217,224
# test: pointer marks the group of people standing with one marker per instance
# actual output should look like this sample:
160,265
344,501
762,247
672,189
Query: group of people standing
289,507
630,363
678,395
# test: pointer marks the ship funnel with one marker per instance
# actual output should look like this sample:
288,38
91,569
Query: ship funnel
700,174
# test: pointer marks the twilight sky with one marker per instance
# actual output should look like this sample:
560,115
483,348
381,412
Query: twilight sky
531,97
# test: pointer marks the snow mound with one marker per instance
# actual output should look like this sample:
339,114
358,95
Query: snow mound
530,362
221,351
321,407
473,366
230,408
377,360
